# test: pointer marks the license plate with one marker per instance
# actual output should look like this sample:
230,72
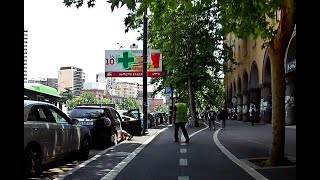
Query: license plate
86,123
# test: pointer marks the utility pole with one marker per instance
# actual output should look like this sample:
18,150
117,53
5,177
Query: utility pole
145,55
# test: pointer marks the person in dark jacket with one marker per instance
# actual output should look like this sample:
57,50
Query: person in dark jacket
223,116
211,118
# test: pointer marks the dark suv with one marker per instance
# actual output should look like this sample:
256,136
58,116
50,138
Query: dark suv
104,123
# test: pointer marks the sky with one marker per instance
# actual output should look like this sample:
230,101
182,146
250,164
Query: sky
61,36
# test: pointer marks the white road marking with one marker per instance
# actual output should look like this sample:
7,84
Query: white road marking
183,177
116,170
87,161
183,150
199,131
241,164
182,139
183,162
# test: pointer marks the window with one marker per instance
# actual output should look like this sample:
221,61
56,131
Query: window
57,116
115,115
37,113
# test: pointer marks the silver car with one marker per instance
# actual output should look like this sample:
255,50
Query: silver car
49,134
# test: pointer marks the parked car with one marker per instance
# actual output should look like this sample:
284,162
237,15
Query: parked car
49,134
104,123
161,116
131,122
156,118
151,120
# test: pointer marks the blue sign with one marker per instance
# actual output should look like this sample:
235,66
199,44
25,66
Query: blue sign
167,91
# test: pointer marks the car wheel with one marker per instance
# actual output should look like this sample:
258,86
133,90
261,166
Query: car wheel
33,161
84,149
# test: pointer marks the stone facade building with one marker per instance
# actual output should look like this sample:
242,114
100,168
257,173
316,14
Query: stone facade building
250,82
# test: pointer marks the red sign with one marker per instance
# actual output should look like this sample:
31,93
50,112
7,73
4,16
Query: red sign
133,74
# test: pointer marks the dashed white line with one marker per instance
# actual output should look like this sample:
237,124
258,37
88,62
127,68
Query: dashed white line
183,177
183,162
241,164
183,150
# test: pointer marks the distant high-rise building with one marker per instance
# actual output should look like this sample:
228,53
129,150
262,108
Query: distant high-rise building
100,78
111,84
98,89
127,89
51,82
71,77
25,55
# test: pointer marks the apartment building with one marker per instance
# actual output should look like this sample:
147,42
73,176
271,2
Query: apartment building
25,51
127,89
111,84
250,83
71,77
51,82
98,89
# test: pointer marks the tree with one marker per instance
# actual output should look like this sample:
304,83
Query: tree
66,95
186,32
84,98
244,18
130,103
161,108
105,101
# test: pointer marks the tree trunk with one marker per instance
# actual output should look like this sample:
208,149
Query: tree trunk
277,49
192,102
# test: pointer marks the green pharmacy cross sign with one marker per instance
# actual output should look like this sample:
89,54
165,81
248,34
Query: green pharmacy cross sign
126,59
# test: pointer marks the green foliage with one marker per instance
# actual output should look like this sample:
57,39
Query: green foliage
246,18
105,101
66,95
161,108
130,103
190,40
84,98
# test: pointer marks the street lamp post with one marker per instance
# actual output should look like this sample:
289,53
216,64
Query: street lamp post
145,55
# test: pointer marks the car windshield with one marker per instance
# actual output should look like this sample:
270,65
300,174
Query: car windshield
85,113
126,113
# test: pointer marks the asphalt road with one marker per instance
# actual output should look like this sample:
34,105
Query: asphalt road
160,158
209,155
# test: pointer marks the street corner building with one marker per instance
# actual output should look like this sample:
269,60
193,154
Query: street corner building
250,83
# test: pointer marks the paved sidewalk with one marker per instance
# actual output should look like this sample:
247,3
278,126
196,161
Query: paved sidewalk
250,142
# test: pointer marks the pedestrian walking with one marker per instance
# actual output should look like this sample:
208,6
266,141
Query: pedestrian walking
211,118
206,113
223,116
180,118
252,112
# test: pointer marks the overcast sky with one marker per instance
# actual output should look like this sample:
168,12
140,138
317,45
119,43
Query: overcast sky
61,36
